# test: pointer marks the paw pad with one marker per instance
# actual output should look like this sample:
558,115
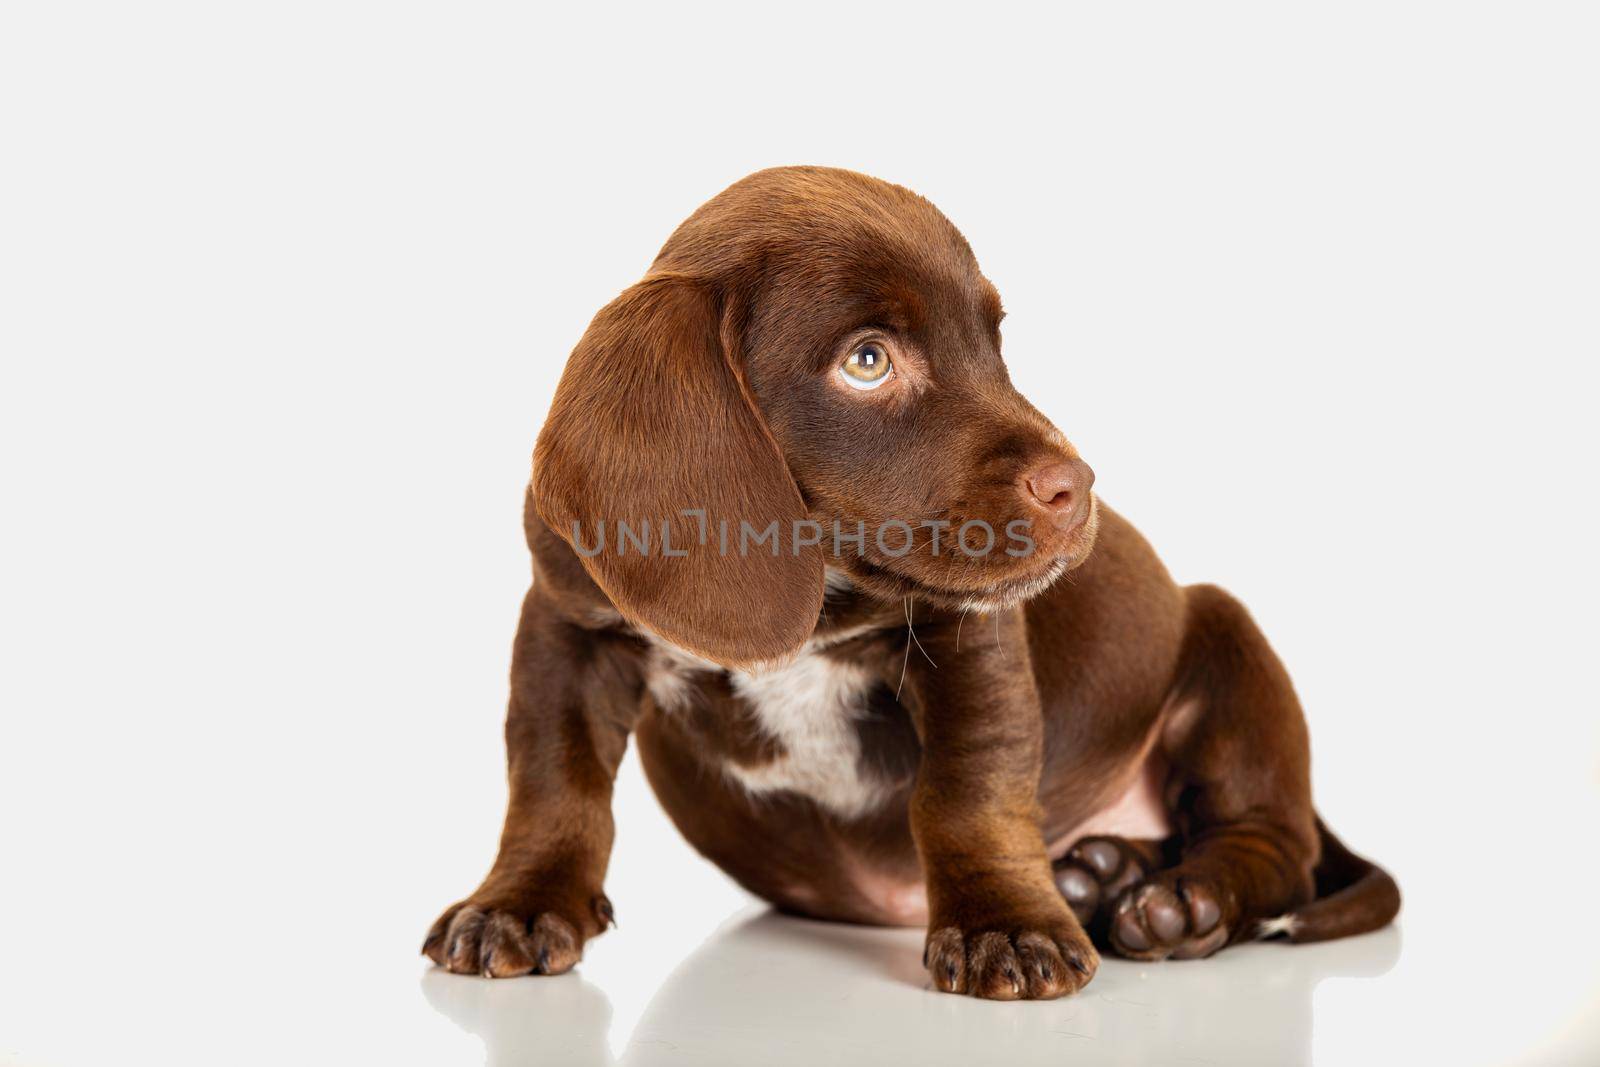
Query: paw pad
1094,872
1179,918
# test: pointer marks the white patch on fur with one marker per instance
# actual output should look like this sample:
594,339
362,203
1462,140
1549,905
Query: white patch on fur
604,617
808,704
835,581
668,671
1283,924
840,636
809,707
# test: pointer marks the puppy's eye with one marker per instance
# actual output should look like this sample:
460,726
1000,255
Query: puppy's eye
867,367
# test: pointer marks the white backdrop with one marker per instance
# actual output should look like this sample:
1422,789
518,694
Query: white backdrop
285,290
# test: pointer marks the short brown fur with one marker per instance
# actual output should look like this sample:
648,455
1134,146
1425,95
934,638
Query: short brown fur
1010,704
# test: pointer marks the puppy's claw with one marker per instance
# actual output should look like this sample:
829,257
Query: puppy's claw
503,943
994,964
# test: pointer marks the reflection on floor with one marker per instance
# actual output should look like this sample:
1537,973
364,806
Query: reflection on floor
774,990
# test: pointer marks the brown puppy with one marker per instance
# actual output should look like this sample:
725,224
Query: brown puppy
793,528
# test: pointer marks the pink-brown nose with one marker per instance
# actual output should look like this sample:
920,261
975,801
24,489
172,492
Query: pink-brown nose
1062,489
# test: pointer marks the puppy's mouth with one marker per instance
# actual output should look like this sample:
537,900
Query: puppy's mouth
997,586
998,595
1002,595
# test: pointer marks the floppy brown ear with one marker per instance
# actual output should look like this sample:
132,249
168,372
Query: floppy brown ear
651,420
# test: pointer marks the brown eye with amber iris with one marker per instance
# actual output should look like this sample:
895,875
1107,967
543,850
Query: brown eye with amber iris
867,367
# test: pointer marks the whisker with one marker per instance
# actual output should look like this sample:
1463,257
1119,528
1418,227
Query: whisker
903,665
910,601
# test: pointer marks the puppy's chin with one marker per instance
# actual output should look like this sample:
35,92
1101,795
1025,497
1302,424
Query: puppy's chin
1005,583
1053,558
1010,594
1065,552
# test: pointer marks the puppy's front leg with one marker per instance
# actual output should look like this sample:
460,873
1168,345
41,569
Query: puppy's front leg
998,927
574,695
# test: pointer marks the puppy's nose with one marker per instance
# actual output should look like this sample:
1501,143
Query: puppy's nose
1062,489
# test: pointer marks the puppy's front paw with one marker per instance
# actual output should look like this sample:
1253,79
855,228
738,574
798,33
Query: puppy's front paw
1035,960
501,942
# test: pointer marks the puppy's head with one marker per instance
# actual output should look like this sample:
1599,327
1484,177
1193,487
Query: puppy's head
814,351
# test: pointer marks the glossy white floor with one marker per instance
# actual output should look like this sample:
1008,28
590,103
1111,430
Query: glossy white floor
145,957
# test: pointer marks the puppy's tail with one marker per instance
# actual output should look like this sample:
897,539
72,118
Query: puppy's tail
1354,896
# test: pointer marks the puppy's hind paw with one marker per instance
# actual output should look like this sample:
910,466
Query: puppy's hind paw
1169,917
1095,871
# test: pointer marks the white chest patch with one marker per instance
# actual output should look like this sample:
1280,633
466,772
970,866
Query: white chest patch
667,673
810,707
